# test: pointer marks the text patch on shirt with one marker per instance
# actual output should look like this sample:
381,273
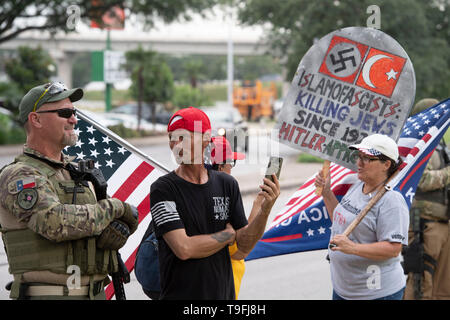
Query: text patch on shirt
346,203
221,208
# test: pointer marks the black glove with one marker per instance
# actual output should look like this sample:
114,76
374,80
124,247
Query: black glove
130,217
114,236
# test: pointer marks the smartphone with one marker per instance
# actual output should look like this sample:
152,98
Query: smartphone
274,166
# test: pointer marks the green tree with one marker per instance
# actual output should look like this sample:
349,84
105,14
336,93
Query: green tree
80,74
421,28
253,67
186,96
19,16
216,66
194,70
152,80
28,68
31,67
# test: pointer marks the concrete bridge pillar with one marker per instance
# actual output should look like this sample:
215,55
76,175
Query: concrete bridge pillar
64,66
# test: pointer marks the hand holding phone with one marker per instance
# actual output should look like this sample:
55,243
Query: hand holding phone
274,167
271,192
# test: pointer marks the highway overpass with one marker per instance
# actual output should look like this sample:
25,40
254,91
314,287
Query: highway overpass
62,47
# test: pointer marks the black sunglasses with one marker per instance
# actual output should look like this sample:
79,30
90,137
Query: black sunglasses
63,113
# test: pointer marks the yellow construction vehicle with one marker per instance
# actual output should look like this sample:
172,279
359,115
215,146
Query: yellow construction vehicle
254,101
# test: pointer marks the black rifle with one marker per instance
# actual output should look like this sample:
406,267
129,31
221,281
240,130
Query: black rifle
413,254
86,171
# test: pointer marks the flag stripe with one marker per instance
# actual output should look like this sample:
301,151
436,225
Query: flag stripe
403,151
142,190
133,180
144,208
425,159
122,173
283,238
29,185
339,173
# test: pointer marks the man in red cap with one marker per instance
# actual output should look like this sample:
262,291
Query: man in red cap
222,156
197,213
224,159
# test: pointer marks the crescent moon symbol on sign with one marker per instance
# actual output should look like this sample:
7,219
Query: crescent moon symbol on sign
368,66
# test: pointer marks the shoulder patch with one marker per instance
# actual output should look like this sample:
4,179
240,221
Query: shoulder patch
27,198
21,184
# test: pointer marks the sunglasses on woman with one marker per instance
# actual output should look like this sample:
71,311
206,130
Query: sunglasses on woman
63,113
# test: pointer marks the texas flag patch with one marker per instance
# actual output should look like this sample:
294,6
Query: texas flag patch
26,183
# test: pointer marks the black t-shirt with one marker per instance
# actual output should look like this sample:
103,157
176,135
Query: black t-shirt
199,209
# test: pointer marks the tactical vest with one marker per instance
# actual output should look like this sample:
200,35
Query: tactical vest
29,251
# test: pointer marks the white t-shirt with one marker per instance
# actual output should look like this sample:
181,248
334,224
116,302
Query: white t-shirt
355,277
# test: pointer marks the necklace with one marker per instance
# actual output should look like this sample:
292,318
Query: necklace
369,193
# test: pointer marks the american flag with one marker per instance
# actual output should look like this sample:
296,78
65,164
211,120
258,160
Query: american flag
304,225
128,171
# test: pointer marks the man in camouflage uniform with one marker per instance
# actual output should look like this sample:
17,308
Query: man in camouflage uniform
60,241
428,255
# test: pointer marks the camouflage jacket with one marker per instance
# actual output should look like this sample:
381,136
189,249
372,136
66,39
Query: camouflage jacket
29,199
431,194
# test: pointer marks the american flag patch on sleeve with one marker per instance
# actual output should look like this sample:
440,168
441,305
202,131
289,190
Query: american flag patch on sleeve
164,211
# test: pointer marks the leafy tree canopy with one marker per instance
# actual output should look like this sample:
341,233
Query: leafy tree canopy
53,15
421,28
152,80
30,67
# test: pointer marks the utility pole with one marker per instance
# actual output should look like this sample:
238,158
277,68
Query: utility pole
108,85
230,66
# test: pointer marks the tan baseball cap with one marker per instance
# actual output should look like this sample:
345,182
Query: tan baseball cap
377,144
50,92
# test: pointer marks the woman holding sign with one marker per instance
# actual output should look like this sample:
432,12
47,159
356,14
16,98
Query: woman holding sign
366,263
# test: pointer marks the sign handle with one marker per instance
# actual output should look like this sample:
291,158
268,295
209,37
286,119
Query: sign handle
325,171
381,190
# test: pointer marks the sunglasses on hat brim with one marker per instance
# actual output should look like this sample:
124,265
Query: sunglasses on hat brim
53,88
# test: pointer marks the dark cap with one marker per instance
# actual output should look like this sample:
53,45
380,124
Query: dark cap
50,92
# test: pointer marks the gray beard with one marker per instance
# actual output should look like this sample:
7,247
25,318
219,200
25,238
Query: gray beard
70,140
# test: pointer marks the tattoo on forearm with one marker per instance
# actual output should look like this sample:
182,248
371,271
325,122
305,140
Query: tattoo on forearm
222,236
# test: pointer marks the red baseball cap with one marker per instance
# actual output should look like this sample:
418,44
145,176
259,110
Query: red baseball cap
221,151
191,119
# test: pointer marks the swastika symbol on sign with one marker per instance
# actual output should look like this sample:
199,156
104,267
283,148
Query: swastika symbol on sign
343,59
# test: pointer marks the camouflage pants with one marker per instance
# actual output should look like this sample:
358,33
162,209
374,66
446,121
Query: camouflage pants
436,241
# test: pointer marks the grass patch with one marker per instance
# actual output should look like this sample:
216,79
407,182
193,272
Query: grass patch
308,158
214,92
117,96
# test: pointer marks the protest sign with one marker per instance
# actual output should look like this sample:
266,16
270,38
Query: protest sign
352,83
